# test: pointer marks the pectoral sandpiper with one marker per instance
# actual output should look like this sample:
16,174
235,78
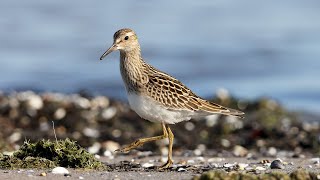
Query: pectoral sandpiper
155,95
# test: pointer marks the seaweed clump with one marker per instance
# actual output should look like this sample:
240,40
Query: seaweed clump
218,174
48,154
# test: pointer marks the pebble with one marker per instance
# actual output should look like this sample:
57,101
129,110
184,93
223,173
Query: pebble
108,154
242,166
91,132
239,151
214,165
225,143
217,159
190,161
80,177
248,168
189,126
60,113
276,164
14,137
94,149
260,168
60,170
228,165
147,165
111,145
43,174
212,120
272,151
182,170
197,152
109,113
35,102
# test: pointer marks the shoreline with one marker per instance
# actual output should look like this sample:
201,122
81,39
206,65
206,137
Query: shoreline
132,167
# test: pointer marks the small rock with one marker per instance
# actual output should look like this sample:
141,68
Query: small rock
260,168
108,154
43,174
109,113
190,161
111,145
249,168
80,177
189,126
147,165
94,148
239,151
225,143
242,166
14,137
272,151
182,170
197,152
214,165
35,102
217,159
60,113
60,170
90,132
228,165
276,164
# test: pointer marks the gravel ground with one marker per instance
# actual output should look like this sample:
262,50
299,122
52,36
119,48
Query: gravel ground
131,167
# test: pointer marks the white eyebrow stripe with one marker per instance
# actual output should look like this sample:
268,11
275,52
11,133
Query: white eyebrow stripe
130,34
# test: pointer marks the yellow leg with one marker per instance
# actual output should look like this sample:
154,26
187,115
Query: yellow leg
142,141
169,162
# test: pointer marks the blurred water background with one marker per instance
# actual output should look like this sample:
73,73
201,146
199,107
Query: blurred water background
251,48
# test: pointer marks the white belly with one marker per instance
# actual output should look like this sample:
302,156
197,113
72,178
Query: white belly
149,109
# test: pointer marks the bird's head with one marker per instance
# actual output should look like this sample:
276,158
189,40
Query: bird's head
124,40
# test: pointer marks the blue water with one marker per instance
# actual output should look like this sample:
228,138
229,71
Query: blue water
251,48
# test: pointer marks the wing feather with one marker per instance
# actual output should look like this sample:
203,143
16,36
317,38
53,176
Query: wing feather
173,94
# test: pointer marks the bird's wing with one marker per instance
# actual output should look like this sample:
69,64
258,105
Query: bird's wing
173,94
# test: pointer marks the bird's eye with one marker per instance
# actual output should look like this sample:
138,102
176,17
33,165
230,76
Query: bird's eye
126,38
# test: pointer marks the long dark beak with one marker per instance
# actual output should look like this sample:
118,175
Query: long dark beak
111,49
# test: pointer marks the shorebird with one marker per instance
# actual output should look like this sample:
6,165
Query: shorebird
155,95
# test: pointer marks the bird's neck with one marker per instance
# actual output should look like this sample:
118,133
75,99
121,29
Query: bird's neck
132,68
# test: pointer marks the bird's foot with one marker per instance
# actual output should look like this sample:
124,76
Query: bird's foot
133,145
166,165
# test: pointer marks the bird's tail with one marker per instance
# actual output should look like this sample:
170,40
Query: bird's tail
214,108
